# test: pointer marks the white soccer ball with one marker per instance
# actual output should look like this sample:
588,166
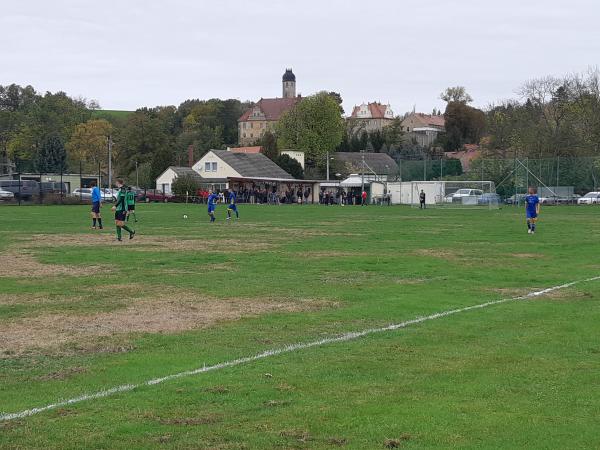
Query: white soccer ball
185,216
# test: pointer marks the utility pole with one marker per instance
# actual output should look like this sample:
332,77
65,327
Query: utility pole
327,166
137,177
109,161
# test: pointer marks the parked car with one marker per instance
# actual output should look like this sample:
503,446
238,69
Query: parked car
515,199
86,193
463,195
591,198
156,195
552,200
53,187
489,199
6,195
23,189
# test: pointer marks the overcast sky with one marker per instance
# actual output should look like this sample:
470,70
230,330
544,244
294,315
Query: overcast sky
132,53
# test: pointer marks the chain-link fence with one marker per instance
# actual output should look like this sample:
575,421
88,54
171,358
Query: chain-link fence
555,176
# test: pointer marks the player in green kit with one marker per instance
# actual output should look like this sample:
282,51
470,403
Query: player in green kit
120,210
130,198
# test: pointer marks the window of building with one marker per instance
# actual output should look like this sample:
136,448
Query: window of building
214,167
207,167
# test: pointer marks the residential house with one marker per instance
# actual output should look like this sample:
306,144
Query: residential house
165,180
423,128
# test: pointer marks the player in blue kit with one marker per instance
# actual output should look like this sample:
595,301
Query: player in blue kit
232,206
532,209
212,205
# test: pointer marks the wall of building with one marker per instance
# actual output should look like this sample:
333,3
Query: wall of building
165,181
251,130
368,125
223,170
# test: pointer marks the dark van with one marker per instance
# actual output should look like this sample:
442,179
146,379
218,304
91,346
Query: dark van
54,187
24,189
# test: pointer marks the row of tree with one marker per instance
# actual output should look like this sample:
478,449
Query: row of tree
52,132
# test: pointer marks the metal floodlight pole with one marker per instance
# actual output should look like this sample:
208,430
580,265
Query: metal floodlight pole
137,176
327,155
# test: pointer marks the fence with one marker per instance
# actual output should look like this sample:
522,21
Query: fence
510,176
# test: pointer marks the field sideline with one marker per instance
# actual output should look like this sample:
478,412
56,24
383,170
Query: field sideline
80,313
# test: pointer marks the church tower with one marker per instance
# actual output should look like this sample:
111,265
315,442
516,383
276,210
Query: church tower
289,84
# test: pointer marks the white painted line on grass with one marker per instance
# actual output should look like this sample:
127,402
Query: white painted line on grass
278,351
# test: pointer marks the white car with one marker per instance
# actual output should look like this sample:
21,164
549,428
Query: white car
463,194
591,198
6,195
83,193
86,193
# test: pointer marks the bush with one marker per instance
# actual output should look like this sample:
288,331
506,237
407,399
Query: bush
185,184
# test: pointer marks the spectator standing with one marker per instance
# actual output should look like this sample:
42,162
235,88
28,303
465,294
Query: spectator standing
422,199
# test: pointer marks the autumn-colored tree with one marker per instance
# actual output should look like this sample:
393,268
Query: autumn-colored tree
89,143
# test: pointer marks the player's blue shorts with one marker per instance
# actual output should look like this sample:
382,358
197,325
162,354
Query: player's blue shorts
211,209
531,215
232,207
96,207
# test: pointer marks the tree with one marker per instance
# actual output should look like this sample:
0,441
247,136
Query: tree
52,156
161,159
268,142
314,126
457,94
290,165
185,185
89,143
464,125
39,117
145,138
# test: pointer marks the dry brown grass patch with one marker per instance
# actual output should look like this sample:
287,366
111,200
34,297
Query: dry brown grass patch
526,255
146,243
22,263
174,311
449,255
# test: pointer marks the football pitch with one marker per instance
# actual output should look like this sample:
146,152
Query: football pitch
248,335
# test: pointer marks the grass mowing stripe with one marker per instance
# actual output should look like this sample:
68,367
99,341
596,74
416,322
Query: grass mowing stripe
278,351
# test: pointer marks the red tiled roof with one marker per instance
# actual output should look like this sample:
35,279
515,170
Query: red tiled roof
430,120
272,108
377,111
466,155
256,149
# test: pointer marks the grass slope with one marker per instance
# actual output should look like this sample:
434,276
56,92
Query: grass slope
521,374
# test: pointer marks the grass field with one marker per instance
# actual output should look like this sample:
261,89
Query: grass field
80,313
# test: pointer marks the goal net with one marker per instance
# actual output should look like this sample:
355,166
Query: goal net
455,194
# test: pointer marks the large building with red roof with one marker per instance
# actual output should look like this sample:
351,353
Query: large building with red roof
370,117
267,111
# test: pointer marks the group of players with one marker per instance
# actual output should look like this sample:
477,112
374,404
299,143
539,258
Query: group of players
125,207
213,199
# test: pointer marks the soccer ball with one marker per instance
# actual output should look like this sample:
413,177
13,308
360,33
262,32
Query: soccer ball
185,216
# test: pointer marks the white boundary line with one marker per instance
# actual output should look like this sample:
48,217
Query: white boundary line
278,351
